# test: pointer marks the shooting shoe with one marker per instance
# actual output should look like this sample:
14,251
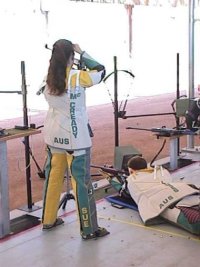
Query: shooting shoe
47,227
99,233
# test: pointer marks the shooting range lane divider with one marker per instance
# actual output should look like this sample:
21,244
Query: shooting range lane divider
4,190
151,228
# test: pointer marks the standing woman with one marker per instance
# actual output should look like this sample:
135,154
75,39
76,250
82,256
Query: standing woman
67,136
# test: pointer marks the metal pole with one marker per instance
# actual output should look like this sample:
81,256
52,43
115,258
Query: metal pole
177,97
130,30
116,122
148,115
4,192
26,139
190,139
10,92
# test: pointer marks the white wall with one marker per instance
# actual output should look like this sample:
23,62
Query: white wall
101,29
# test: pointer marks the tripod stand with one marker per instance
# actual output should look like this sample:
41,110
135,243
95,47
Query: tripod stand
67,196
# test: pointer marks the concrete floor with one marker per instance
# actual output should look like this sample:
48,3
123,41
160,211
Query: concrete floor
129,244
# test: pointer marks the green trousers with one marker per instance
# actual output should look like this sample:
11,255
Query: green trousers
55,169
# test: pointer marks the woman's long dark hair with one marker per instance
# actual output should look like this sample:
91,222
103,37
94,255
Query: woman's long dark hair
62,50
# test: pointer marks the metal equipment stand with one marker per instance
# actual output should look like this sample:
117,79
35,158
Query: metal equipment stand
30,206
67,196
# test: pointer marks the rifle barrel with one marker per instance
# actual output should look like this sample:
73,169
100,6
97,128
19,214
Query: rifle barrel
109,170
142,129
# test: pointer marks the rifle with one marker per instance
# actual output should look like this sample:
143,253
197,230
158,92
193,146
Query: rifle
115,177
112,171
163,131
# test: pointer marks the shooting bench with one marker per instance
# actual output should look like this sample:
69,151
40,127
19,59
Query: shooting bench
173,150
173,135
5,136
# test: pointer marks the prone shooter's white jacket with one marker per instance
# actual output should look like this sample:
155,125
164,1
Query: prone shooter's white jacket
66,123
